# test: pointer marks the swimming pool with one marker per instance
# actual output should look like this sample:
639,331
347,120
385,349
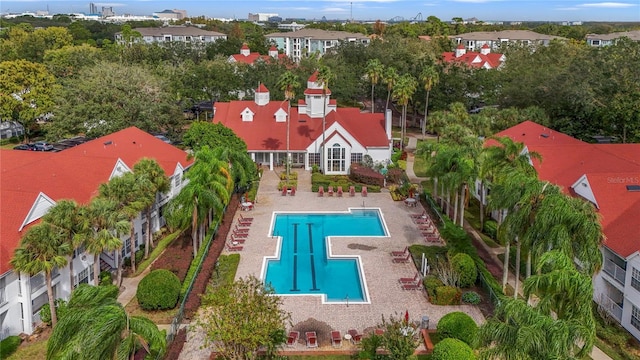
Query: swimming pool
304,263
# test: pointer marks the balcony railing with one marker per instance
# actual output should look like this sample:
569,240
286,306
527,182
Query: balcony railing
615,271
3,297
612,307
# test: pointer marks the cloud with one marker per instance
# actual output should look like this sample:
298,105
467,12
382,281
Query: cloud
613,5
334,10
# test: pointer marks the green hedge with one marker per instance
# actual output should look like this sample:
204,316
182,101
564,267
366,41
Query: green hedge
465,267
159,290
9,345
458,325
447,295
194,263
431,283
452,349
318,179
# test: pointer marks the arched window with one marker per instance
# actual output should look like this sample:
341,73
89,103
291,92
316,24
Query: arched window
336,158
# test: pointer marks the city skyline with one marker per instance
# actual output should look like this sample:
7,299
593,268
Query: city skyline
445,10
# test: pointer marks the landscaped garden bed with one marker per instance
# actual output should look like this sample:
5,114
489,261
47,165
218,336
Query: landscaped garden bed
177,256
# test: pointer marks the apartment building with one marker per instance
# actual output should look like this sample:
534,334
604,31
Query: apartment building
474,41
306,42
600,40
32,182
185,34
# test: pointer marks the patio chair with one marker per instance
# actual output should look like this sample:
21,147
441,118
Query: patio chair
412,286
293,191
364,191
432,238
400,253
284,191
352,191
235,240
241,229
404,259
330,191
232,247
243,224
339,192
355,336
240,234
378,331
410,280
320,191
336,339
245,219
312,339
292,339
417,216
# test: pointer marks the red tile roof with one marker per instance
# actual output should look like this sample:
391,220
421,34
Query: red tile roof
265,134
74,173
566,159
262,89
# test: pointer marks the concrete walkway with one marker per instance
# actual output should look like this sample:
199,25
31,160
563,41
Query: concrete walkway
130,286
596,353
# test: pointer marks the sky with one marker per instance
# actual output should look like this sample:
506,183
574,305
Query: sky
445,10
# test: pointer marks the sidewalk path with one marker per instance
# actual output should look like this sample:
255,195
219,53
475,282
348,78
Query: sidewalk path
130,286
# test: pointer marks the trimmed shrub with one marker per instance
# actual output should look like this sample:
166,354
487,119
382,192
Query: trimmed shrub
471,297
45,311
458,325
9,345
159,290
491,229
452,349
431,283
106,278
447,295
464,265
365,175
293,175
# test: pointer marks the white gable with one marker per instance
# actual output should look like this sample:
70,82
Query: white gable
280,115
119,169
247,114
583,188
40,206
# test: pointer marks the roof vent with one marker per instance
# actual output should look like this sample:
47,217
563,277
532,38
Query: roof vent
633,187
544,135
108,142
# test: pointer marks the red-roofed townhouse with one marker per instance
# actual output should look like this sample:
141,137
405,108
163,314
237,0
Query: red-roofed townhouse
32,182
348,134
247,57
608,176
484,59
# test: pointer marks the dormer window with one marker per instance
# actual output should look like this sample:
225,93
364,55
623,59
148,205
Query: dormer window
247,114
280,115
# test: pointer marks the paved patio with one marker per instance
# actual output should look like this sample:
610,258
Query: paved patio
386,296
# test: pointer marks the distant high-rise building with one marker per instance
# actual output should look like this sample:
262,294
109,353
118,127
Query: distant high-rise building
260,17
93,9
174,14
107,11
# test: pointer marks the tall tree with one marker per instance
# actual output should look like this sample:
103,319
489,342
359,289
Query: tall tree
102,225
65,216
27,91
98,327
42,249
288,83
374,72
389,77
403,92
242,317
430,77
148,170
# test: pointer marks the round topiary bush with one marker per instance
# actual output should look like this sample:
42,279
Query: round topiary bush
471,297
458,325
464,265
159,290
452,349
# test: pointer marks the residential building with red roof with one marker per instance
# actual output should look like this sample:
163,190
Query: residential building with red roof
484,59
345,136
608,176
247,57
32,182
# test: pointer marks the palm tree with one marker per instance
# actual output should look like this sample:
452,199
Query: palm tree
324,75
129,193
374,71
150,170
42,249
430,77
102,226
98,327
288,82
389,77
65,217
206,190
403,92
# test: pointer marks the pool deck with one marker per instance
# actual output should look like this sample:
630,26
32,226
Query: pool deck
385,294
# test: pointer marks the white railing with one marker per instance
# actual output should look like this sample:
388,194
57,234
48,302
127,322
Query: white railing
615,271
35,319
612,307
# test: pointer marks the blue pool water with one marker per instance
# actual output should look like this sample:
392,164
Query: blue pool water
303,265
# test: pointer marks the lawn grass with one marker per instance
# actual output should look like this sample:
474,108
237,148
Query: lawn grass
160,246
158,316
34,350
472,215
419,166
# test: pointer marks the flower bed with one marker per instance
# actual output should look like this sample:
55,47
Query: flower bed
177,257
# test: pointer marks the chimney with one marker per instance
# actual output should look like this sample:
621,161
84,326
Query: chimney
485,49
244,50
262,95
460,50
273,52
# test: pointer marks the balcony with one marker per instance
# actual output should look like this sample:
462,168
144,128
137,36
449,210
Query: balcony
3,297
613,308
615,271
